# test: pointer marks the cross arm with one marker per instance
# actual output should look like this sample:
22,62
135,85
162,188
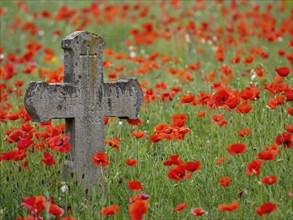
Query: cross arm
44,101
123,98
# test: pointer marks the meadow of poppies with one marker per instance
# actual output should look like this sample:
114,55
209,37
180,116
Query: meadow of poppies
214,136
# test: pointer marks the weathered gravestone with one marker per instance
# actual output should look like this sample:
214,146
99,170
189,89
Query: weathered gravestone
84,100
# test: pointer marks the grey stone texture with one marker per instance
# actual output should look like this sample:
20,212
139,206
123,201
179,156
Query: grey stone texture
84,100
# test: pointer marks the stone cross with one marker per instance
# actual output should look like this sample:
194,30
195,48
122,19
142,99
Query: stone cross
84,100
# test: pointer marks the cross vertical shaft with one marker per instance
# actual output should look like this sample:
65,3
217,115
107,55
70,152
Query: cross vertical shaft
87,128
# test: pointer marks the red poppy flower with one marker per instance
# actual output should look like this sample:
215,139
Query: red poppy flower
55,210
26,218
27,128
59,143
187,98
290,111
15,135
259,71
131,162
9,70
179,119
138,134
248,59
244,132
266,208
286,139
273,103
179,133
229,207
3,115
110,210
137,121
161,85
225,181
201,114
48,159
192,166
18,83
101,159
137,209
156,138
25,142
35,204
280,99
22,165
269,179
289,128
14,155
222,123
235,59
106,120
283,71
153,56
13,116
217,117
142,196
176,89
253,168
112,75
166,96
135,185
163,127
250,93
220,160
237,148
194,66
173,160
266,155
226,70
219,54
244,108
180,207
216,86
211,76
273,148
68,218
113,142
197,211
203,99
165,131
233,101
177,172
221,96
281,52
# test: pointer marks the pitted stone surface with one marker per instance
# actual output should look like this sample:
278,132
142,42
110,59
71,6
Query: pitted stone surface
84,100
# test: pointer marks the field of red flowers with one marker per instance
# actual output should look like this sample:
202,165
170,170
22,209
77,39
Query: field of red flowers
214,135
